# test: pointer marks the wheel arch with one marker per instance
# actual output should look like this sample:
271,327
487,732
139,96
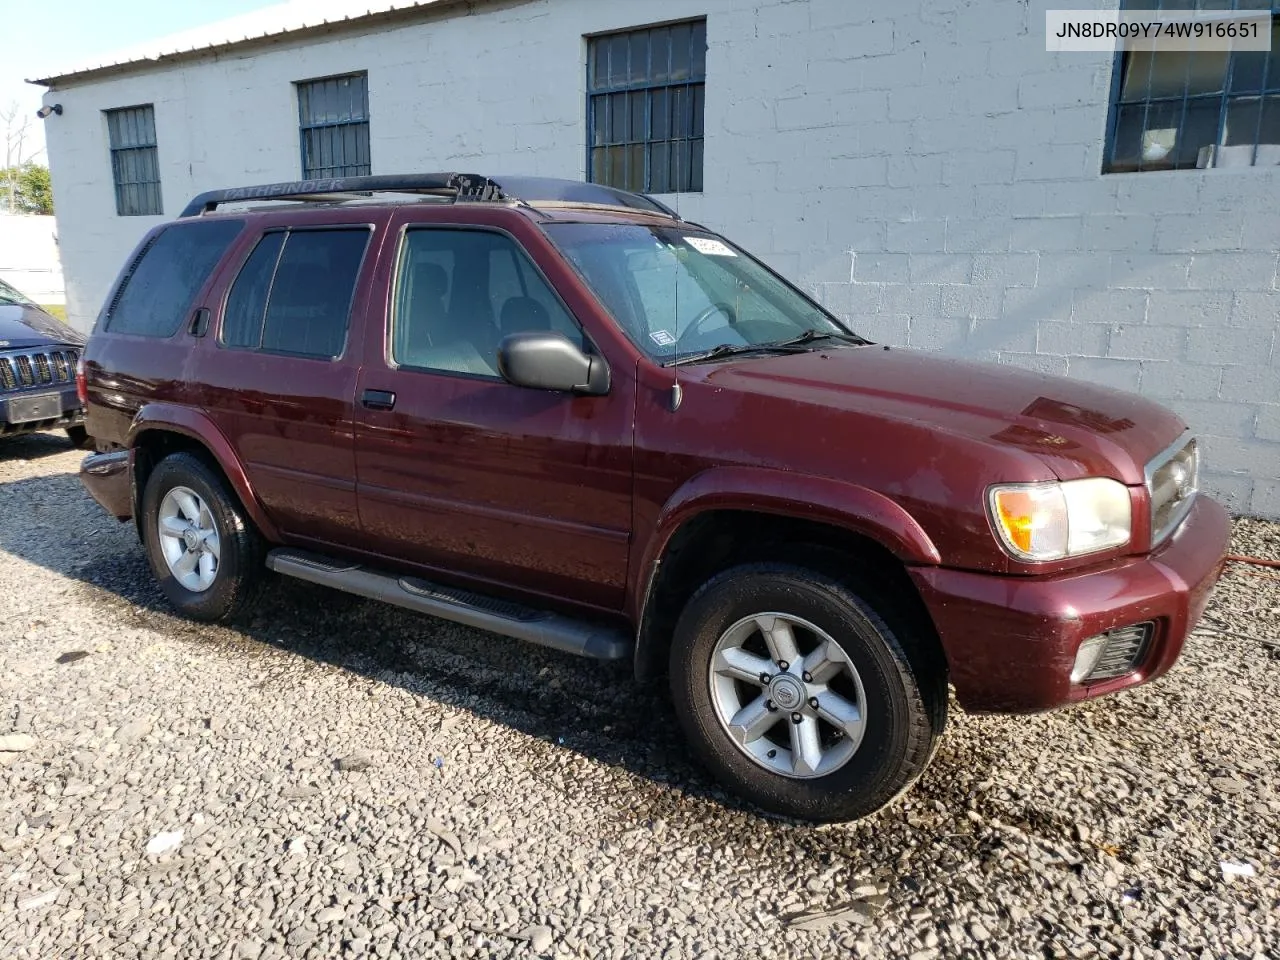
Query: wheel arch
161,429
712,521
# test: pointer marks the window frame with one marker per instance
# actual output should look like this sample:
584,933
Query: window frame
645,86
1224,97
114,152
305,125
587,345
369,228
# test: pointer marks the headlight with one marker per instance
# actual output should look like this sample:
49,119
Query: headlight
1049,521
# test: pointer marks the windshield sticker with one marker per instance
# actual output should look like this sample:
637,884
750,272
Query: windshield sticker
662,338
712,248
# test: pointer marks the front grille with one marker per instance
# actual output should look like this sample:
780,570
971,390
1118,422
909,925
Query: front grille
37,369
1123,652
1172,482
63,370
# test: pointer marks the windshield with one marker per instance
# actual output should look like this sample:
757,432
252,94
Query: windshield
12,297
677,292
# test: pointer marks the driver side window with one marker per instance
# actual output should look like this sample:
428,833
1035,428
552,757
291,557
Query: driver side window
459,292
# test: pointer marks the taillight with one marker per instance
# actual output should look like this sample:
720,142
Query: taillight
82,388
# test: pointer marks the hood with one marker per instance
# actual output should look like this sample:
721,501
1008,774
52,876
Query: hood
25,325
1078,429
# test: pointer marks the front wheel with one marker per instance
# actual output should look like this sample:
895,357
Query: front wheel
203,550
798,694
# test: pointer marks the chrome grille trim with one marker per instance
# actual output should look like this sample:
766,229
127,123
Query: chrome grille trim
47,366
1163,488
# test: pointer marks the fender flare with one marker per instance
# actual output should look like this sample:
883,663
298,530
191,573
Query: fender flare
172,418
848,506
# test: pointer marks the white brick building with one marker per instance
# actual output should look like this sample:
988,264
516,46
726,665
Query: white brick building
924,166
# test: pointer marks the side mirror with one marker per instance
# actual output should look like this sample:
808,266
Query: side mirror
545,360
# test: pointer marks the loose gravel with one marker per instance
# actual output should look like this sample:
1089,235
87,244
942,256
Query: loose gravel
343,779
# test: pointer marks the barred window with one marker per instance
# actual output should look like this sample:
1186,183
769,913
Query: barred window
1174,110
645,93
333,115
135,167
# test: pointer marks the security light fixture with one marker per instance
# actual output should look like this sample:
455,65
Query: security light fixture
45,111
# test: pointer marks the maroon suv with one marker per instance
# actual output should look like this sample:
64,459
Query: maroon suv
559,412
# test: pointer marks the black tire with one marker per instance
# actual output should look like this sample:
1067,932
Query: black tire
79,437
906,696
240,564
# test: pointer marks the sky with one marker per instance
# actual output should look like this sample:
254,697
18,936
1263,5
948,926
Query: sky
43,36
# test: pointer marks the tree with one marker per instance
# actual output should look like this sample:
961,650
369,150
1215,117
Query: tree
32,189
17,156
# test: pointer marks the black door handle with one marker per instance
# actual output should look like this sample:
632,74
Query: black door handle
199,322
378,399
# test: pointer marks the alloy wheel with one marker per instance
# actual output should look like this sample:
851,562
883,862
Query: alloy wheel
188,539
788,695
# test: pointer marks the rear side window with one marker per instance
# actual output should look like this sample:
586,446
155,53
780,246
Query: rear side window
247,303
294,293
156,294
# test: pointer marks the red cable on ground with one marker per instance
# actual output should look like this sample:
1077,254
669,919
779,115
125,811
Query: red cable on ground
1254,561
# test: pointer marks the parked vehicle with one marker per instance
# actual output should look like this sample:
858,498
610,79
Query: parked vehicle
559,412
38,357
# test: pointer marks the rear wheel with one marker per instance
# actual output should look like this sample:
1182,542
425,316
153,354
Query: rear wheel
203,549
798,693
79,436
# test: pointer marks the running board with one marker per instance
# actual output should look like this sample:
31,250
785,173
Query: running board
580,637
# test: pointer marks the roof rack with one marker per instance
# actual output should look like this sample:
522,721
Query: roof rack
456,187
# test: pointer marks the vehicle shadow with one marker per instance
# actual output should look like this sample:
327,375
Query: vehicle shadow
33,446
595,709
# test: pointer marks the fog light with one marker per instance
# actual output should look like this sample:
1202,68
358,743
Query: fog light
1112,654
1087,656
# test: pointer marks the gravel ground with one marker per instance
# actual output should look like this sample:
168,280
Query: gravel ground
345,779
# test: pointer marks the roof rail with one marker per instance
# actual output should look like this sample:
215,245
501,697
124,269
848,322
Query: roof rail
458,186
468,187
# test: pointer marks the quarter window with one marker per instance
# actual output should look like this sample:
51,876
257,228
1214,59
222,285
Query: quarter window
645,93
334,126
135,165
459,292
293,295
157,292
1187,110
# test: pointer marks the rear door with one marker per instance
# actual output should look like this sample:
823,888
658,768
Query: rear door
460,470
278,371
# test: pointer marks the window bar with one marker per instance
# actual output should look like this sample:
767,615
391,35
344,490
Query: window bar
646,182
1264,84
1146,113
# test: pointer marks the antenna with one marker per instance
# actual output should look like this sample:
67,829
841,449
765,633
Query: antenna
677,394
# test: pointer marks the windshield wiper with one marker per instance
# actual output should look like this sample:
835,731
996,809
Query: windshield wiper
736,349
811,335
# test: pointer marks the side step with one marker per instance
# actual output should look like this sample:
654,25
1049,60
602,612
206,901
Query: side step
580,637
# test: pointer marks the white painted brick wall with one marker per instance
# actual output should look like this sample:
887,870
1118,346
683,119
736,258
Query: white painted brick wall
924,167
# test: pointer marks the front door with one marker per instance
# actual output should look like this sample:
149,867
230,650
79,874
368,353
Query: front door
459,470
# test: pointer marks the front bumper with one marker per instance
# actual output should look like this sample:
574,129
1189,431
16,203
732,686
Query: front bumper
109,479
69,412
1011,641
